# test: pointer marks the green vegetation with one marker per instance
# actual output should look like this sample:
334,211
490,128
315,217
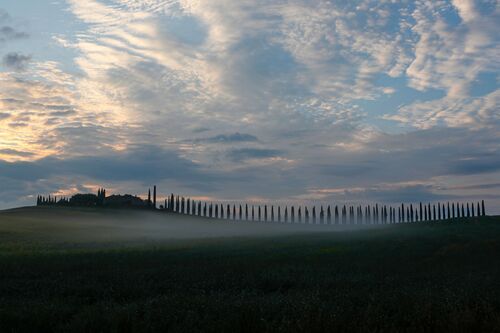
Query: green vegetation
90,270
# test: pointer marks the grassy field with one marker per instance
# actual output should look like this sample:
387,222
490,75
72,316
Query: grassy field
84,270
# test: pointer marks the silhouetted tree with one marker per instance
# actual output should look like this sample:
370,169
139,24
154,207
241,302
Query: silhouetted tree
253,213
279,213
265,213
306,212
472,209
154,196
468,210
272,213
234,212
463,211
259,214
240,212
314,214
483,211
478,209
336,215
321,215
246,212
149,197
328,215
286,214
292,214
299,213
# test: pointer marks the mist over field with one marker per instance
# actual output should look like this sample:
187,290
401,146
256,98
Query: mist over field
84,225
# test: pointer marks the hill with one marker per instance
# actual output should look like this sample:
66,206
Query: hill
87,270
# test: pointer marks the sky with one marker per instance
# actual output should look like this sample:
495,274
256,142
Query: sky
297,101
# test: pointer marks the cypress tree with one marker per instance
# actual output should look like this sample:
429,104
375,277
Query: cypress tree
216,210
403,212
328,215
183,205
272,213
439,211
468,211
429,209
292,214
188,206
286,214
463,211
483,211
149,197
478,209
300,214
336,214
234,212
246,212
472,209
205,210
279,213
321,215
448,210
228,212
306,211
253,213
314,214
421,211
154,196
240,213
259,213
265,213
434,212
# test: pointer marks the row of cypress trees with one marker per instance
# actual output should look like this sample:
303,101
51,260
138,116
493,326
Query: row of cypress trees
370,214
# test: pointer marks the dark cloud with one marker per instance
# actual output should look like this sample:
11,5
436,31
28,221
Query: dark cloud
16,61
228,138
476,164
200,129
242,154
14,152
142,163
18,124
9,33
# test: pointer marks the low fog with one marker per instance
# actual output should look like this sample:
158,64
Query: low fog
107,225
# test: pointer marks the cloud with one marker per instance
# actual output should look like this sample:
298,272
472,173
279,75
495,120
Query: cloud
9,33
16,61
228,138
243,154
141,163
14,152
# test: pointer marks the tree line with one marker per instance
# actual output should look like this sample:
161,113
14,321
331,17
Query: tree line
323,214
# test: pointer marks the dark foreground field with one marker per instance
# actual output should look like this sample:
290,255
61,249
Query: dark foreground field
91,271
